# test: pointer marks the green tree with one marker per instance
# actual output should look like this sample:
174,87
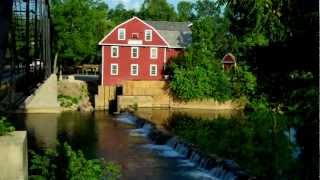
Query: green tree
205,8
120,14
185,11
157,10
199,74
78,27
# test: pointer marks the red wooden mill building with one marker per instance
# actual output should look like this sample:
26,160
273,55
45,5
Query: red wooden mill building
139,50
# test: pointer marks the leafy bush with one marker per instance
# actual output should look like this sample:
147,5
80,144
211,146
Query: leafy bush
199,74
258,137
65,163
243,82
68,101
5,126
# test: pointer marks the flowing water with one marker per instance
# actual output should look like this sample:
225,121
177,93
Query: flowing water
121,139
115,138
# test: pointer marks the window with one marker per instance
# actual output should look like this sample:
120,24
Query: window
114,69
153,53
134,70
135,35
148,35
153,70
121,34
114,51
134,52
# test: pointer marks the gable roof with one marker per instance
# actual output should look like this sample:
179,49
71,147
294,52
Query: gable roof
177,34
174,34
134,17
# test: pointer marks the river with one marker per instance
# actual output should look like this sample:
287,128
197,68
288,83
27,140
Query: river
115,138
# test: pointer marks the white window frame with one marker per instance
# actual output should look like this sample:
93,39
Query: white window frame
137,48
156,56
131,69
156,70
117,69
119,33
145,35
117,50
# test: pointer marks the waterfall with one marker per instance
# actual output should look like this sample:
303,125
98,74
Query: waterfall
182,149
172,142
224,170
169,146
143,131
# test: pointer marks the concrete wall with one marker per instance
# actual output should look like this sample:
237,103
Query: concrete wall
44,99
14,156
104,96
155,94
131,101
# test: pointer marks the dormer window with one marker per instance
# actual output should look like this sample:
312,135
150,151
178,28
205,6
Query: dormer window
148,35
121,34
134,35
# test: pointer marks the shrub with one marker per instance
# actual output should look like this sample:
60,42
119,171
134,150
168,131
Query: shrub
68,101
66,163
5,126
243,82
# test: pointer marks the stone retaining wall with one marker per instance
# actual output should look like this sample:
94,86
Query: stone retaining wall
154,94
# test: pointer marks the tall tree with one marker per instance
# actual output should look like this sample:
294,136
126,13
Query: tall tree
158,10
120,14
78,26
207,8
185,11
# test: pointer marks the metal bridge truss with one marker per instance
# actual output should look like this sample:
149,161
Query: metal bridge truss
27,58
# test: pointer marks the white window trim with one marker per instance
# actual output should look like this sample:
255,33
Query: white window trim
117,48
145,35
151,57
156,70
111,73
102,76
124,32
137,52
131,69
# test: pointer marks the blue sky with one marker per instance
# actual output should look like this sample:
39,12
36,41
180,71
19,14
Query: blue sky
135,4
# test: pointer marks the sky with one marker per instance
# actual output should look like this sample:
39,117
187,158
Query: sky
135,4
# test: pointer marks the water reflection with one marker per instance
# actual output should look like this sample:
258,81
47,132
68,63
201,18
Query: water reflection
100,135
266,147
44,128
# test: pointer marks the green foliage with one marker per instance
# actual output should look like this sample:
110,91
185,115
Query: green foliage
257,142
5,126
68,101
43,166
243,82
119,14
157,10
78,27
66,163
200,82
185,11
198,74
258,104
207,8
